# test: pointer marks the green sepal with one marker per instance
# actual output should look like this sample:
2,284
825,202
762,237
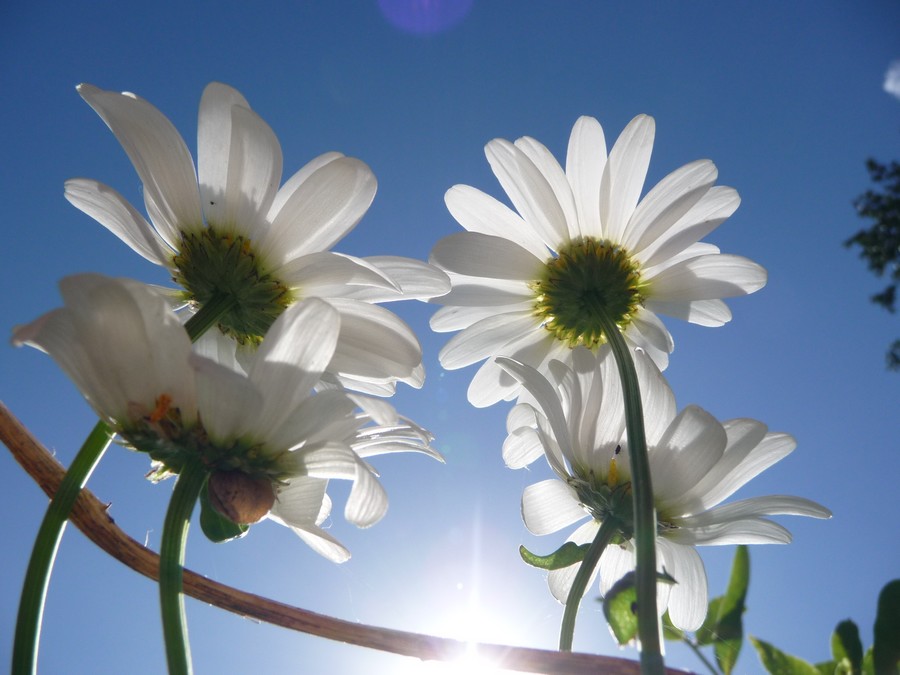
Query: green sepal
620,606
777,662
568,554
886,650
215,526
846,648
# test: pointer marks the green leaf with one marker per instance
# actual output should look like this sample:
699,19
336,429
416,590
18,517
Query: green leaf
620,609
568,554
215,526
886,650
620,606
846,648
827,667
777,662
706,634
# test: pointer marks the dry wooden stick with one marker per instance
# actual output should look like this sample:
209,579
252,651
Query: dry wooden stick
90,516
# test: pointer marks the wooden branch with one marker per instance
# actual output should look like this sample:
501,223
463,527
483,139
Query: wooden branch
90,516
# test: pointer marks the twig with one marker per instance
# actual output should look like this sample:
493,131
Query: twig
90,516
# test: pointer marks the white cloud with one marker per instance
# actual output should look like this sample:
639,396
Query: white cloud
892,79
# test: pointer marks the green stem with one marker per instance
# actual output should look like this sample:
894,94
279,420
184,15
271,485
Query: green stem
642,496
37,577
171,563
208,315
608,528
696,649
46,544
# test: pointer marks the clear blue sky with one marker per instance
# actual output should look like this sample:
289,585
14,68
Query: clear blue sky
786,98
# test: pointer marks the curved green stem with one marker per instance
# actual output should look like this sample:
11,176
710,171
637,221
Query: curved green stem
46,544
37,577
696,649
608,528
171,563
644,509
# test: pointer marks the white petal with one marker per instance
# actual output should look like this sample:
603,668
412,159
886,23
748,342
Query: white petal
700,312
650,334
254,171
485,338
301,501
549,506
368,501
413,279
755,507
474,292
113,211
585,161
772,449
452,318
158,153
228,402
284,193
325,274
712,210
483,255
546,397
528,190
624,174
374,343
667,202
296,350
321,211
214,147
479,212
687,451
521,447
546,163
615,562
688,597
750,531
708,277
657,398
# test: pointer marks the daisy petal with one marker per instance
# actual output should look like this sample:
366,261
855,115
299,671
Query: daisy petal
549,506
158,153
708,277
113,211
482,255
688,597
585,161
624,174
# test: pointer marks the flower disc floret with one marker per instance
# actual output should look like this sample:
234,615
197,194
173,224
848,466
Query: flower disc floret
210,264
588,279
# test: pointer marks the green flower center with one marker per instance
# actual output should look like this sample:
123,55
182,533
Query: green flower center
210,265
589,278
162,434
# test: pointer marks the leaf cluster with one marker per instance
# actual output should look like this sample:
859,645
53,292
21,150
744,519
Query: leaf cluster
880,244
847,655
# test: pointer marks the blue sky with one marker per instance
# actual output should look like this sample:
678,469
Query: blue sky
786,98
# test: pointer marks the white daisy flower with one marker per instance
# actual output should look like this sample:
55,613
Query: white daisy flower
530,285
268,443
235,233
696,463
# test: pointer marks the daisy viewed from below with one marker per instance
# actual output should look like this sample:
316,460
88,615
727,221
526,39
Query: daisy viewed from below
531,285
267,443
577,422
229,234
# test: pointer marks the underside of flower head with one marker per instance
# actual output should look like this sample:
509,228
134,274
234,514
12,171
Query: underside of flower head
588,280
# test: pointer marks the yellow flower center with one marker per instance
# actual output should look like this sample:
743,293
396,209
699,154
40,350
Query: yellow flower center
587,279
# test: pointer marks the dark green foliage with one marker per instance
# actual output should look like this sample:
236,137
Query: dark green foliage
880,244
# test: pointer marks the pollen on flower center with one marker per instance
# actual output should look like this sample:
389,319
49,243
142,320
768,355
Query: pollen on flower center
211,264
587,279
